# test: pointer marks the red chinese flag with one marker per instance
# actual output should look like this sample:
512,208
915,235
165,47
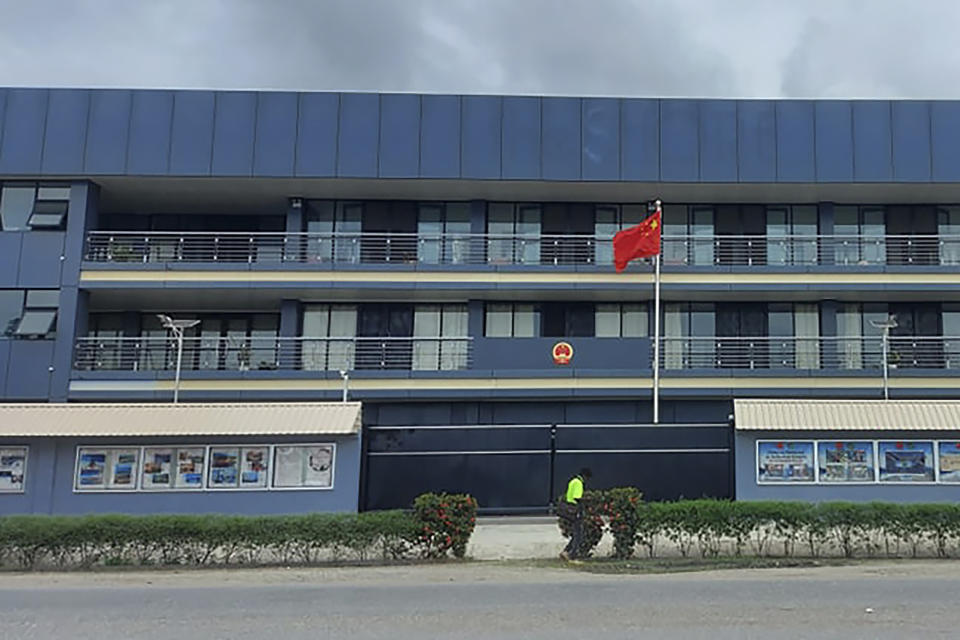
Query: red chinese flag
641,241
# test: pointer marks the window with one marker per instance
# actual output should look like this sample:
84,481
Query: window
11,308
567,319
25,206
949,231
859,235
688,235
333,231
13,469
507,320
38,317
443,232
328,322
621,320
307,466
439,321
514,233
608,220
792,235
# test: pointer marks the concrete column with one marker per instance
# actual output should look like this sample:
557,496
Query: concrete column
829,355
294,226
289,352
478,226
825,215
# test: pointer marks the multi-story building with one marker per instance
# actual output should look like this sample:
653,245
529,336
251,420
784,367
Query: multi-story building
424,254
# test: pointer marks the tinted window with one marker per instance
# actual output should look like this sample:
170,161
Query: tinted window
16,205
11,305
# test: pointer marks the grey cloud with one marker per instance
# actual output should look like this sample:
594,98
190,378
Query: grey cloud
772,48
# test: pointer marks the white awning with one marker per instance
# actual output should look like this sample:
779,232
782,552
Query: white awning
846,415
183,419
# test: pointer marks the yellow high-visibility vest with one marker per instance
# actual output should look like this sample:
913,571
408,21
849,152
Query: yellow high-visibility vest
574,489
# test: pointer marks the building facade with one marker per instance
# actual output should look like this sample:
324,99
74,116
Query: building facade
426,253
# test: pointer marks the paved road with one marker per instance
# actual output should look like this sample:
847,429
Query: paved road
485,601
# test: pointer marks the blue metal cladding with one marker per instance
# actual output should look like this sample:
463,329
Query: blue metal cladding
520,143
275,142
718,141
640,140
833,125
872,160
600,135
560,151
10,258
480,145
796,161
40,266
4,363
148,149
757,140
33,359
282,134
66,131
23,125
399,136
911,141
440,137
191,143
317,135
945,141
234,121
107,131
679,147
359,135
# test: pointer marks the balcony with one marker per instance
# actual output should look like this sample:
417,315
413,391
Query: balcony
274,354
806,354
280,250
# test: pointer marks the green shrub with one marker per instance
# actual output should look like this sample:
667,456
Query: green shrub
445,523
623,510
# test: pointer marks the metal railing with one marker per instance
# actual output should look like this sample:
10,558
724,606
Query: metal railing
276,248
270,353
792,353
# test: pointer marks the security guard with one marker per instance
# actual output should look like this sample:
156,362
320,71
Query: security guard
572,511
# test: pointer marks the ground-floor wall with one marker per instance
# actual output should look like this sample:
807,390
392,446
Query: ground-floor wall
53,482
847,466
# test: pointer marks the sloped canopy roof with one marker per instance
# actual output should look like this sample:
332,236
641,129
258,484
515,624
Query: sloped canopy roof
846,415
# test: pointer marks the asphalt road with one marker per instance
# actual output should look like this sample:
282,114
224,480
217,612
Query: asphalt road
485,601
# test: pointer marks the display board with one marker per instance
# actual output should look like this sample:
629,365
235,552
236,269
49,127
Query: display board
845,461
789,461
906,461
949,461
13,469
304,466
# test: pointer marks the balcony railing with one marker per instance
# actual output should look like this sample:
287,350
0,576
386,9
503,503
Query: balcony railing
363,248
790,353
269,353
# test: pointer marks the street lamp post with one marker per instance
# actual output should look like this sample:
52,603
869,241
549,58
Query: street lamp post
889,323
177,327
346,382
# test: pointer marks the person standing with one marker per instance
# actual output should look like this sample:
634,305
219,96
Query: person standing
571,510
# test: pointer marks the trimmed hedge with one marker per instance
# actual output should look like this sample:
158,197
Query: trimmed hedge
715,527
28,541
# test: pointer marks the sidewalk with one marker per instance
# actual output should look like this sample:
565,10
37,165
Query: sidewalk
520,538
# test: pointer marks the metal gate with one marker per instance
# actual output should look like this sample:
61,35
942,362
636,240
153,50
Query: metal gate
522,468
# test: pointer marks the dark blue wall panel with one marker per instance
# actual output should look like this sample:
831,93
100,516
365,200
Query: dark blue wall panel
359,135
10,258
148,150
234,126
911,141
66,131
600,136
23,124
560,157
718,140
276,137
757,140
640,140
399,136
945,135
834,141
440,137
32,360
191,144
872,161
40,260
795,150
480,147
107,132
4,362
520,143
679,147
317,135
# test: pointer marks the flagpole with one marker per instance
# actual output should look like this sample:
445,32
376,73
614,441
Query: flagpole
656,330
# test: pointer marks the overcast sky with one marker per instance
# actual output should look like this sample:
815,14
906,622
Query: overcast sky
728,48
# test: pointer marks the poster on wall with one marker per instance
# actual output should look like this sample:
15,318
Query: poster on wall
91,469
949,456
157,468
223,467
845,461
905,461
304,466
190,465
253,467
123,468
13,469
785,462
